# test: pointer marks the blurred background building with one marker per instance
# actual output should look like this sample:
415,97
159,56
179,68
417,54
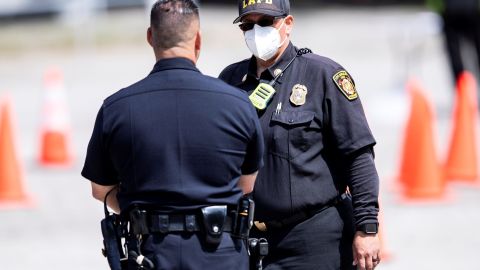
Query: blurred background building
17,9
60,59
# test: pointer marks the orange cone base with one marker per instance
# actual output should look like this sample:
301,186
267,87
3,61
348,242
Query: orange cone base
25,202
462,175
426,192
473,183
420,198
467,174
54,150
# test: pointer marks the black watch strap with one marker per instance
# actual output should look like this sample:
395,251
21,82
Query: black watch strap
368,228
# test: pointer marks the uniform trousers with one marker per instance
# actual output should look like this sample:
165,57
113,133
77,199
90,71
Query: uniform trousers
322,242
187,251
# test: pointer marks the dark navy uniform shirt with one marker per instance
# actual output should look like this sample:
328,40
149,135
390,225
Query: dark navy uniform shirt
306,146
176,140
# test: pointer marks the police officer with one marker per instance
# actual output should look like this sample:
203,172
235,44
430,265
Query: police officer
317,145
176,147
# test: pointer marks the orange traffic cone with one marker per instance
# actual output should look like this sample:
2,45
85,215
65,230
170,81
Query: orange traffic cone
12,192
462,158
55,140
420,172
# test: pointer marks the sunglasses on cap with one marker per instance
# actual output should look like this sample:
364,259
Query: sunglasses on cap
263,22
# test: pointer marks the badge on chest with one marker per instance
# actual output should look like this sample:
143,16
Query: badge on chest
299,95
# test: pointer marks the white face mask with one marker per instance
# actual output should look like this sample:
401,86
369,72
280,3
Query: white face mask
263,42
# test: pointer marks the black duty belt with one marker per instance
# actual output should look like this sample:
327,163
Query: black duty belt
299,217
168,223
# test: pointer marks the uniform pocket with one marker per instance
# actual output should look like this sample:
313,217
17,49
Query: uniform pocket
293,132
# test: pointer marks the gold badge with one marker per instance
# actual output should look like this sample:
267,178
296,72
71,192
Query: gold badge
299,95
277,72
345,84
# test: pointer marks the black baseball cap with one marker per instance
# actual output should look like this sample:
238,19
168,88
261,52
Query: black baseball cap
274,8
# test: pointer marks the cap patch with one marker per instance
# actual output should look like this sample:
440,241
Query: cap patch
272,8
345,84
247,3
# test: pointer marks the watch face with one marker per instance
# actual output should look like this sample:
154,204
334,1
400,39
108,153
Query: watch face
370,228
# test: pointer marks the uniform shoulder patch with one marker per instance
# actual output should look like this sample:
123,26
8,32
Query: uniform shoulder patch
345,84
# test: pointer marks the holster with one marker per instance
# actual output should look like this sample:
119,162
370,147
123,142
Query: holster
244,218
138,221
112,242
214,220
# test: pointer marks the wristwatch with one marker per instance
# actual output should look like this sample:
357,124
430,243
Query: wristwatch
368,228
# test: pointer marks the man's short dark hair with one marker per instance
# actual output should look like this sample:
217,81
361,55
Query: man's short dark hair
170,21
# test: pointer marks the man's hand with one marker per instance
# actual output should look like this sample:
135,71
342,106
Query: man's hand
366,251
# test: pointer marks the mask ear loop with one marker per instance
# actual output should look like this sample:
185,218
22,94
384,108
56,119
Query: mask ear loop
281,44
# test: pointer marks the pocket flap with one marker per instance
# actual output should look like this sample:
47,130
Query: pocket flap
293,117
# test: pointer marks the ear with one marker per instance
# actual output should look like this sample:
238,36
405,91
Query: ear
289,22
150,36
198,44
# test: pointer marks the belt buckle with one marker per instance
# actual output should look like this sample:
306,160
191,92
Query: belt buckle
261,226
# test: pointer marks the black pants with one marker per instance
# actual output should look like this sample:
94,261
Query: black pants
187,251
323,242
458,28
